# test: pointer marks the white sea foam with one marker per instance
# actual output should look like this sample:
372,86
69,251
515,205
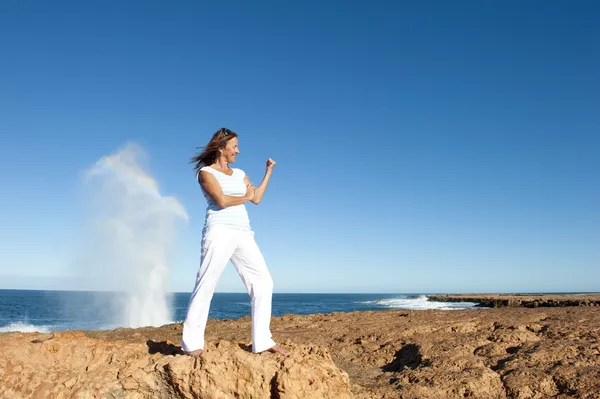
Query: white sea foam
421,303
26,328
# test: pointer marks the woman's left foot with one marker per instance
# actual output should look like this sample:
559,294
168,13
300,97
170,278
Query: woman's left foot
278,349
196,353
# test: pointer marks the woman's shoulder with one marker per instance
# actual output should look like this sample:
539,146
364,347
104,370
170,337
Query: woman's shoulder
207,169
239,171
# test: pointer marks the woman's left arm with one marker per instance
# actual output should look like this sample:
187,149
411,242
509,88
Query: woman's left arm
262,187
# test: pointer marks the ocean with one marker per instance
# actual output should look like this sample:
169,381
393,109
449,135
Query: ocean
46,311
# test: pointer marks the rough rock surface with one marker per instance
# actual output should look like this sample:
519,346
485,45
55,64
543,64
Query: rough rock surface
527,301
520,353
71,365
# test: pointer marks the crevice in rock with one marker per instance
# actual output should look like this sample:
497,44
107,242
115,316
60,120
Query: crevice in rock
505,387
274,387
562,387
170,382
543,330
407,357
39,341
500,363
497,369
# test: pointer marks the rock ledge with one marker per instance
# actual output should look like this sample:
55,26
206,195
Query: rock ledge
80,367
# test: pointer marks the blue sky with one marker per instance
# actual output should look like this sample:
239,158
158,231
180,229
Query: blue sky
427,146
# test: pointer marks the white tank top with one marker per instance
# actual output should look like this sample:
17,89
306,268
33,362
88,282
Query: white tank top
234,216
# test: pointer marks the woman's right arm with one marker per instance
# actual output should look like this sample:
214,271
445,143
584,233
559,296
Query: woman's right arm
212,187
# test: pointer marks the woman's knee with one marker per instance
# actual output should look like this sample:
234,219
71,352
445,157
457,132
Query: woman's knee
262,288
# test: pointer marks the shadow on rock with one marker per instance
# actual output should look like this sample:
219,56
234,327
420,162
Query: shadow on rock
164,347
407,357
247,348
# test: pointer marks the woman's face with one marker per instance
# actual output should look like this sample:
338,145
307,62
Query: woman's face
231,150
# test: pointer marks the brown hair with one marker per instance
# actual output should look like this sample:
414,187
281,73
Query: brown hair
211,150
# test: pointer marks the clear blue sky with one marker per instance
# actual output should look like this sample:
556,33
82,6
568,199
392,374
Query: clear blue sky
426,146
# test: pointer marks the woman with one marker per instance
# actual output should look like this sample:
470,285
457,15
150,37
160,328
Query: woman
227,236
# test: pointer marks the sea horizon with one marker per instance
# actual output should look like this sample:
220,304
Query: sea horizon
59,310
340,292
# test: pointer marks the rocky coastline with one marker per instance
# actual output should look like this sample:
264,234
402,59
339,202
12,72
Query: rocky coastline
522,300
501,352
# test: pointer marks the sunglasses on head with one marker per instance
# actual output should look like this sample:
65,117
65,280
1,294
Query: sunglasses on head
225,132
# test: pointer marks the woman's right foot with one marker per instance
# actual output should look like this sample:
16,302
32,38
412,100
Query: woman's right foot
196,353
278,349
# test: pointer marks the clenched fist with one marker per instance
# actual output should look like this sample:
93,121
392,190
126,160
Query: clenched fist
270,164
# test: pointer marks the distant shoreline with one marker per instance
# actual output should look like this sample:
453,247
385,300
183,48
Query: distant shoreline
522,300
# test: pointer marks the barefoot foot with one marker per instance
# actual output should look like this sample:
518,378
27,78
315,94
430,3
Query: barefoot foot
196,353
278,349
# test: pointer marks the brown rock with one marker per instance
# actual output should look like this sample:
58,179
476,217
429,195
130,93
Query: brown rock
511,352
77,366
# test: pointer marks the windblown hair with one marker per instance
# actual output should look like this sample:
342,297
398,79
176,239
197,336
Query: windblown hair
211,151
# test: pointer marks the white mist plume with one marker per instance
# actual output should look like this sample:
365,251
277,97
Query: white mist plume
131,226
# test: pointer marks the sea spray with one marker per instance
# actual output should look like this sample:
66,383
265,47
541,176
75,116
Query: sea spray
130,228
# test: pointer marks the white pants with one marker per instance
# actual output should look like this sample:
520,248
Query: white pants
220,244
